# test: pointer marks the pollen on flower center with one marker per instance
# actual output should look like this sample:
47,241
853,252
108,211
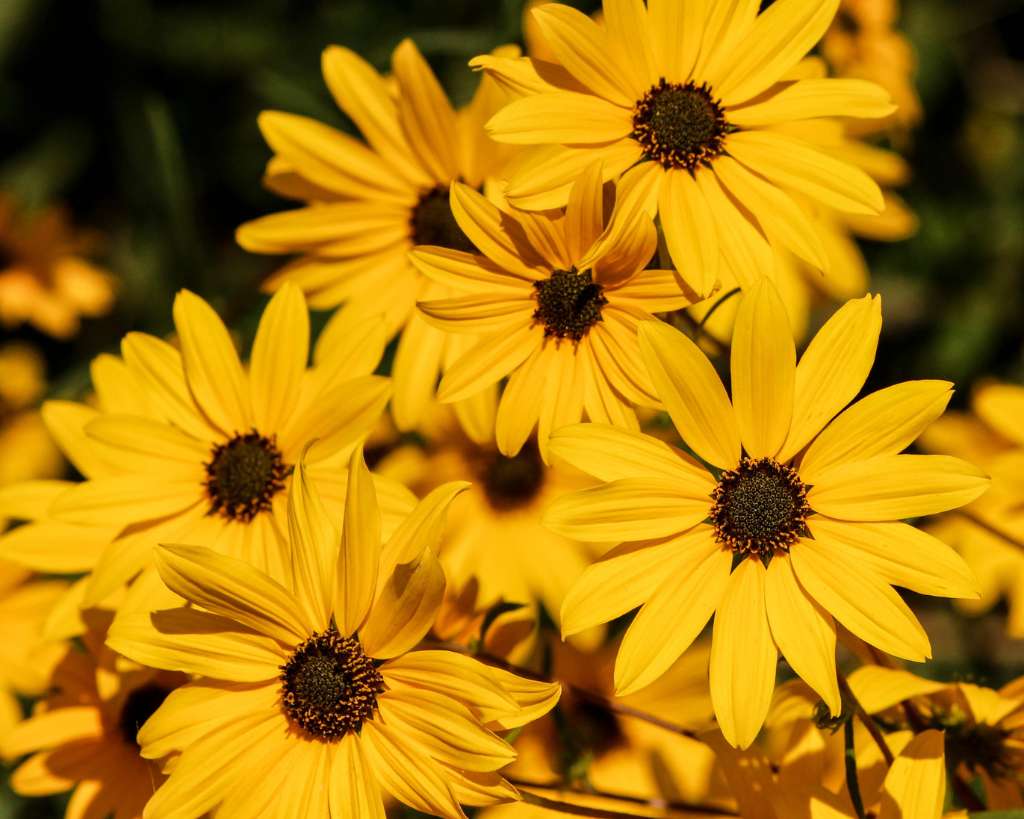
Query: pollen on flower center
243,475
760,508
568,304
680,126
433,223
513,482
329,687
138,707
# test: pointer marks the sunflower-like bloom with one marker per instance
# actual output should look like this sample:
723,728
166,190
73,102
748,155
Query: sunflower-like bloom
44,280
26,451
368,204
991,532
192,445
83,736
310,700
554,301
688,101
794,525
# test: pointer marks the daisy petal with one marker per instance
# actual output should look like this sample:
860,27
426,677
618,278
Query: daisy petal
496,234
745,250
878,688
313,542
688,384
584,214
676,31
521,401
353,787
1001,406
416,366
690,232
893,487
128,499
489,361
51,728
359,557
804,633
279,356
675,614
405,607
743,656
808,99
916,783
560,117
477,314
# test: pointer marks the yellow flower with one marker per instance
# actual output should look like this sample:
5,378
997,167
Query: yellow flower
310,699
687,101
26,450
367,205
554,301
990,533
796,521
193,446
26,659
44,281
83,735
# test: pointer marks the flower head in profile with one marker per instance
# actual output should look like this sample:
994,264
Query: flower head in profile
191,444
688,101
553,302
310,697
793,525
365,205
82,738
44,279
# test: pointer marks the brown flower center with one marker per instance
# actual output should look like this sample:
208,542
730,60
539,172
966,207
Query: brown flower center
434,224
680,126
568,304
511,483
138,707
243,476
979,746
760,508
329,687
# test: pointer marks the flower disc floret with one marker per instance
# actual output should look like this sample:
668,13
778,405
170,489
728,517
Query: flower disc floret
569,303
243,475
680,126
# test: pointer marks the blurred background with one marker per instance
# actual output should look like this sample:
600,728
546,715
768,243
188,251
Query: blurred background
135,121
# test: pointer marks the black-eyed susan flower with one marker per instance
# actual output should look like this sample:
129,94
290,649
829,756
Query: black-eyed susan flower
367,204
193,445
82,736
553,302
26,451
792,526
310,697
687,102
44,279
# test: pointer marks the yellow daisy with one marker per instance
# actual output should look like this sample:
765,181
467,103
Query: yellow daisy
990,533
199,447
367,204
554,301
794,524
26,450
82,737
687,102
311,700
44,280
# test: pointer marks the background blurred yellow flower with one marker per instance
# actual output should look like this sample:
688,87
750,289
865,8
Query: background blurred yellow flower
26,450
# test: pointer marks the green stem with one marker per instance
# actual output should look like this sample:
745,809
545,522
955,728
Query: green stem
852,783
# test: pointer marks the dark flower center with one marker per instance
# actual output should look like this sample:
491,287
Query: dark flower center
513,482
138,707
433,223
568,304
760,508
243,476
329,687
680,126
980,747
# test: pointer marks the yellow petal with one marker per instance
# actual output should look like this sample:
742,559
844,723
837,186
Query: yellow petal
690,232
804,633
154,441
359,557
745,251
1001,406
915,786
833,369
405,607
808,99
489,361
53,728
336,412
652,291
522,400
878,688
278,360
626,24
468,272
313,546
354,793
893,487
30,500
690,388
743,656
561,117
422,529
66,422
416,366
497,235
584,213
125,499
675,614
763,370
859,599
350,345
60,548
883,423
345,229
626,509
212,368
676,31
478,314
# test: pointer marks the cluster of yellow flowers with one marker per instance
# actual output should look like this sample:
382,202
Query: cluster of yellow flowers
252,623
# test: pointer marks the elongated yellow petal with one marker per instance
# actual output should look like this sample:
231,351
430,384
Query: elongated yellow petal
562,117
534,697
859,599
313,542
685,380
279,355
915,786
652,291
422,528
746,252
893,487
626,24
418,357
212,368
675,614
478,314
690,231
878,688
340,411
128,499
584,213
626,509
807,99
804,633
489,361
496,234
676,31
345,229
1002,407
66,422
763,370
52,728
405,608
152,440
359,557
833,369
61,548
883,423
350,345
743,656
354,793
